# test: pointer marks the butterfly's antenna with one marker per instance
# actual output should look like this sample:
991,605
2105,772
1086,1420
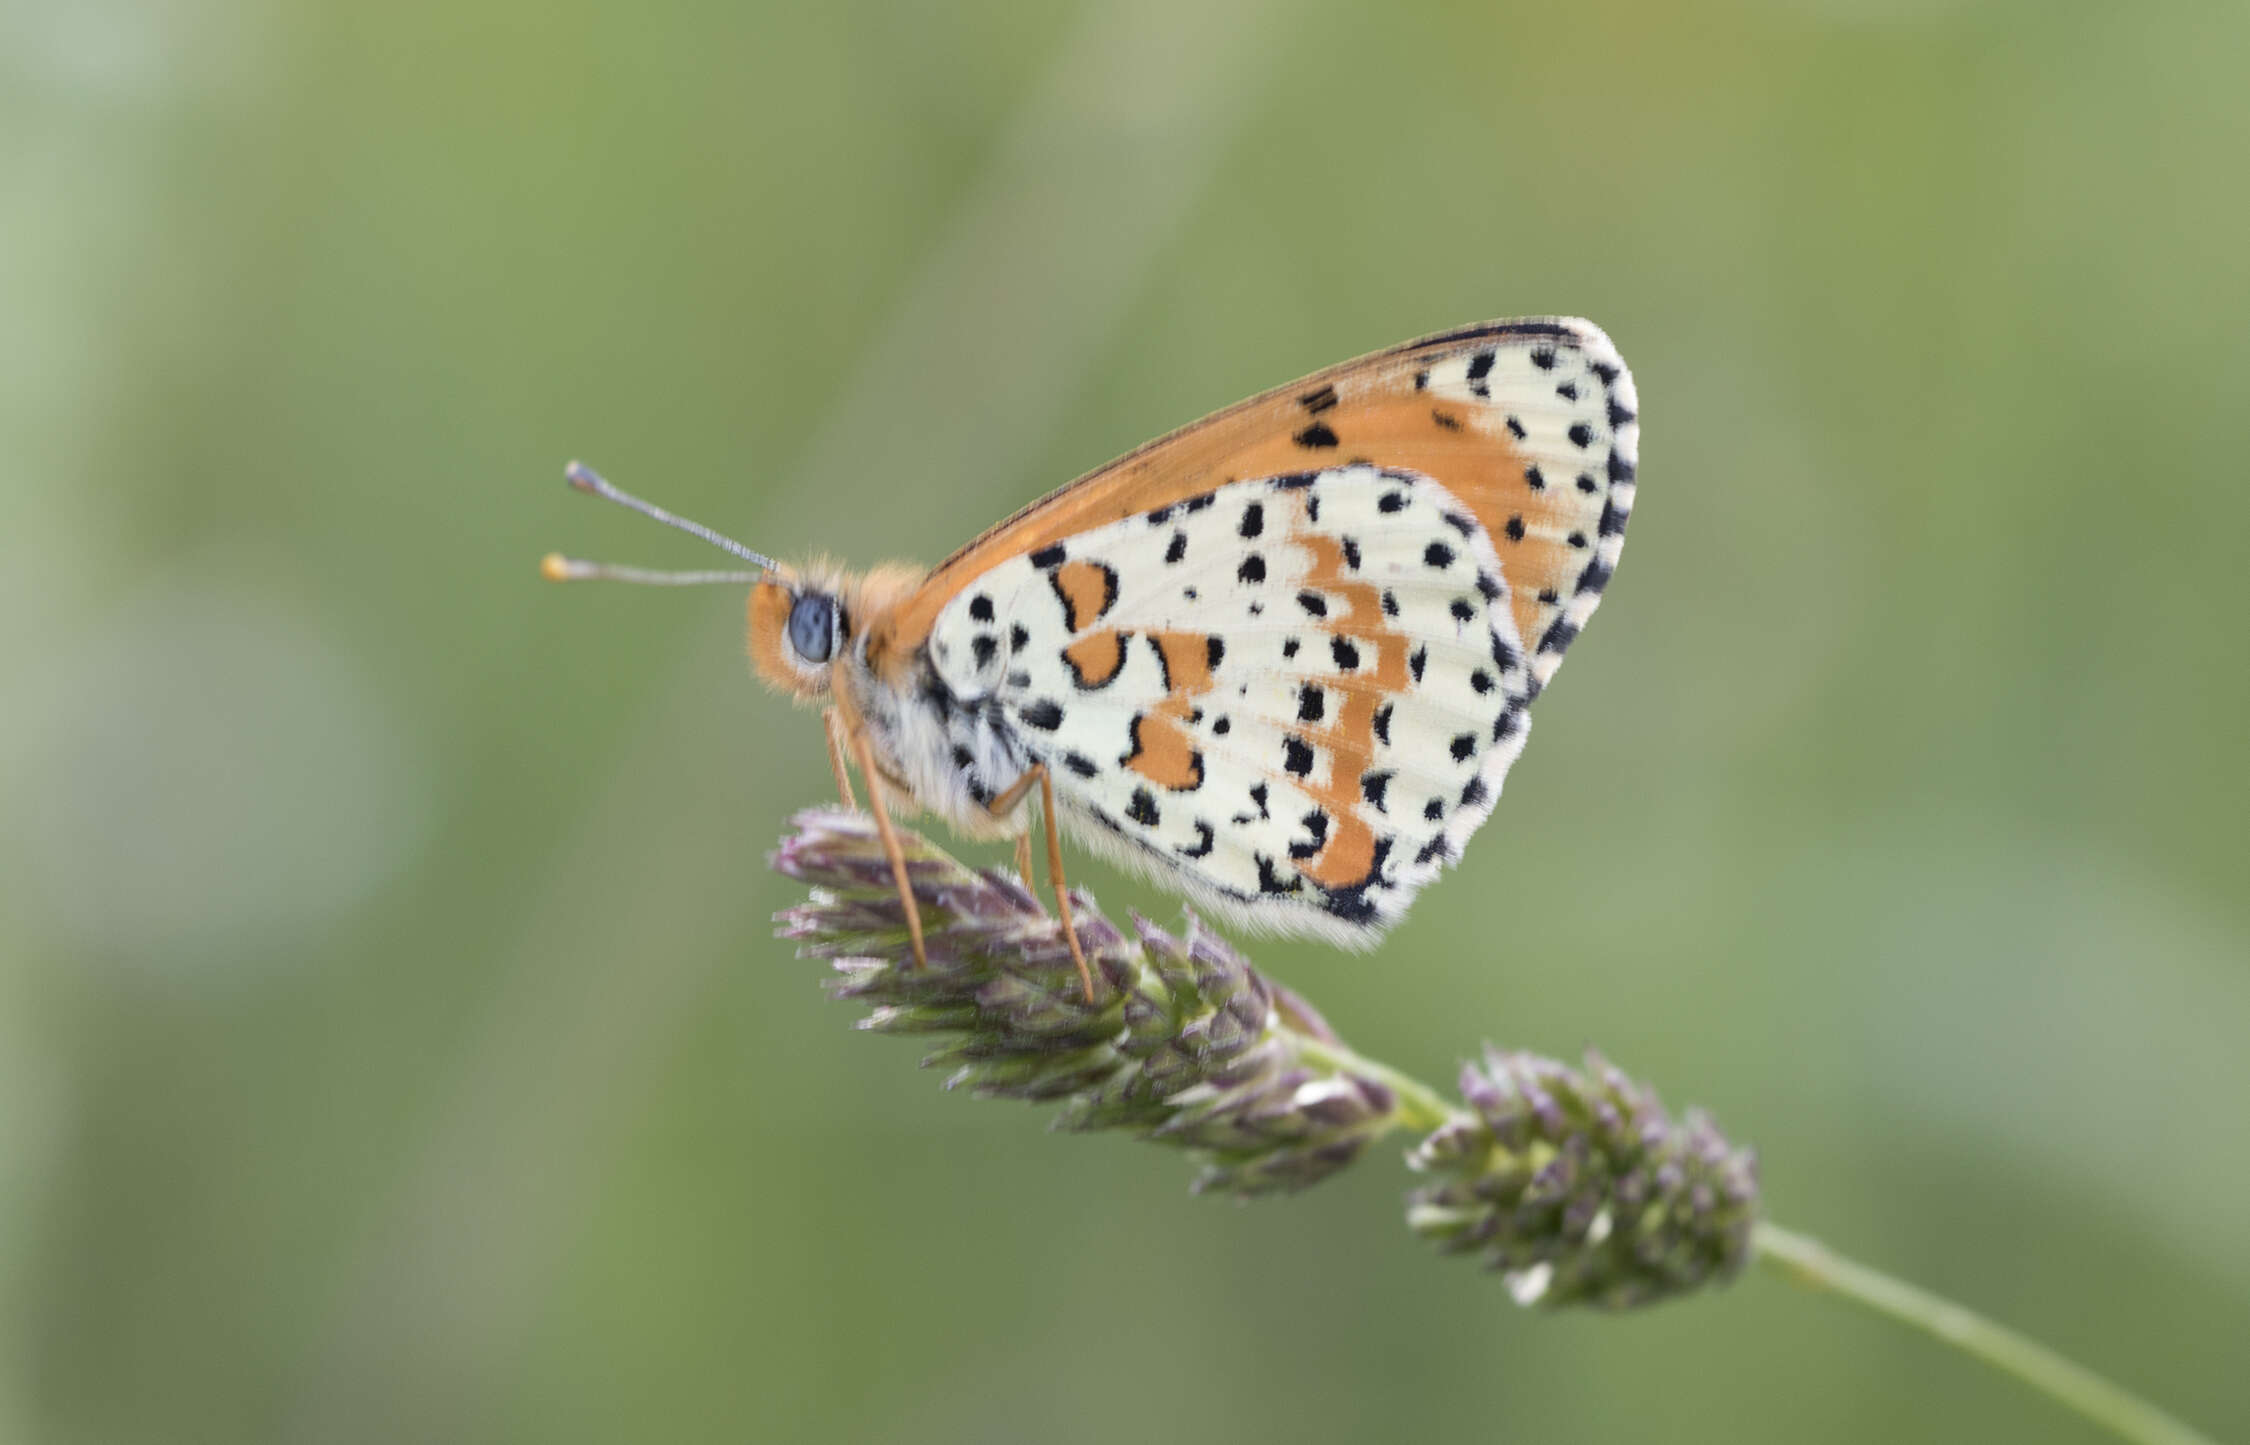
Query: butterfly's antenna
586,479
555,567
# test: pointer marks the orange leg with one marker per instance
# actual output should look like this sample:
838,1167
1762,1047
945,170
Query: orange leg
1009,797
1023,860
831,723
857,740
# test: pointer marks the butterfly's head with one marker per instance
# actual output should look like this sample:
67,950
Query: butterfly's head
807,621
799,626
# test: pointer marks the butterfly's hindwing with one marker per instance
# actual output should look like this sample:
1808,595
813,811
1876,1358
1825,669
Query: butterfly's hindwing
1299,692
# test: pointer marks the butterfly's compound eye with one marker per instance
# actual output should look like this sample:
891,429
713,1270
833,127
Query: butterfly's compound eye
812,627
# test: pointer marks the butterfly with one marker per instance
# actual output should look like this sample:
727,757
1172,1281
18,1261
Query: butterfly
1280,659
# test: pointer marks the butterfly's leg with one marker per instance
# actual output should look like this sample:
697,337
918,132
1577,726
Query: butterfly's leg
831,724
891,848
1005,804
1009,797
1062,886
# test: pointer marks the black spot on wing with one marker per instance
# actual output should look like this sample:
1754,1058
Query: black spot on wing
1270,880
1045,714
1053,556
1480,367
1316,436
1204,839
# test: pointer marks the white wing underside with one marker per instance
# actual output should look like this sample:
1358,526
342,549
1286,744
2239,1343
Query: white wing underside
1292,697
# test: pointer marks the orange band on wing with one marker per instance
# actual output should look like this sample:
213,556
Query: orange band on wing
1096,658
1087,590
1164,751
1347,854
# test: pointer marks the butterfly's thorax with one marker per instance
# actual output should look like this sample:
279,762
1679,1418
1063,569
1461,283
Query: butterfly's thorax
949,751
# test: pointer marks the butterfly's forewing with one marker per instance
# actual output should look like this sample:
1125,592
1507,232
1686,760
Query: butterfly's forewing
1284,655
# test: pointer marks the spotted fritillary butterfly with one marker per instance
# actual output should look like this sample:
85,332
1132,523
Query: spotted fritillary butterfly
1280,659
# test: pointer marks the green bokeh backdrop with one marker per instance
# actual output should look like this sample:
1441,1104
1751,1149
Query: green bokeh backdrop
392,1046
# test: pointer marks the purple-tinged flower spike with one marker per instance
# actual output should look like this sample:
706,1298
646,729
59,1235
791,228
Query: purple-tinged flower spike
1184,1043
1574,1183
1580,1189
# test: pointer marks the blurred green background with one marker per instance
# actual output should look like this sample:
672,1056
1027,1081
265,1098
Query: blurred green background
392,1046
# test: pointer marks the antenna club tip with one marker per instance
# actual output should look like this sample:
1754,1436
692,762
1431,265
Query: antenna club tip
555,567
583,477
